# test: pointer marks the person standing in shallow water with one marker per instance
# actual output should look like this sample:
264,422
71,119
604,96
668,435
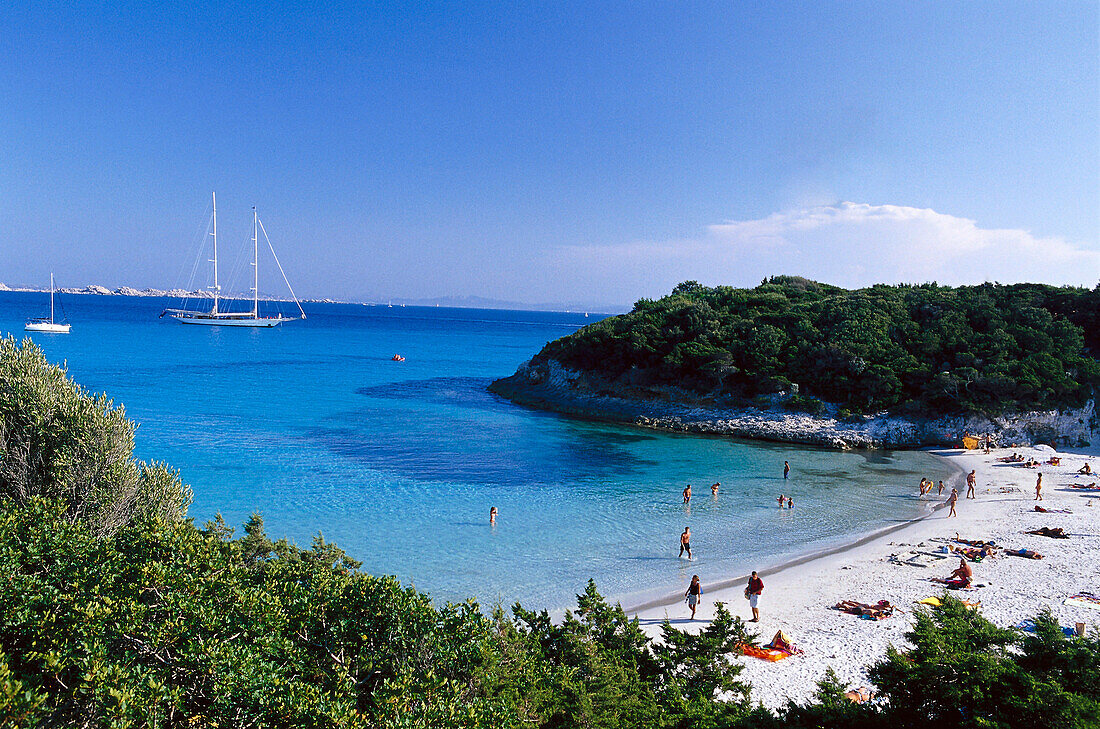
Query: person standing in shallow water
786,469
685,542
693,592
752,592
493,515
687,494
714,489
951,500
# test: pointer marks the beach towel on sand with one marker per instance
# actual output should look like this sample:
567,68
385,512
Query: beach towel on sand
1083,599
766,654
1028,626
970,604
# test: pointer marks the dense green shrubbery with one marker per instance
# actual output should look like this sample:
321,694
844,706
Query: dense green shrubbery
932,349
58,442
145,620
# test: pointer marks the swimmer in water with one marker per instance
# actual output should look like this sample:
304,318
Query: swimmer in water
687,494
493,515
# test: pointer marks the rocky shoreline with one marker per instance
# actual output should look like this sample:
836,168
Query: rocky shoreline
548,385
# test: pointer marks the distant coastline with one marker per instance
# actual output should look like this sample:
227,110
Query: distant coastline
453,302
549,385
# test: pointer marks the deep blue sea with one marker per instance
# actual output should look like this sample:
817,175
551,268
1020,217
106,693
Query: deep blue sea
312,425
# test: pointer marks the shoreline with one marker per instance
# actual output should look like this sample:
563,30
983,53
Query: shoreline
799,593
804,559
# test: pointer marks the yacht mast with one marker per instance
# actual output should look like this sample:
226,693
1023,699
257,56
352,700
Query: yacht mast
51,297
255,266
214,203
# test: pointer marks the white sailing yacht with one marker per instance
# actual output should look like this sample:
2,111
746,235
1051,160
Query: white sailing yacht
47,325
216,317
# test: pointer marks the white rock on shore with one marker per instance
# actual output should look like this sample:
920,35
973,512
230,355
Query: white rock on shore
549,385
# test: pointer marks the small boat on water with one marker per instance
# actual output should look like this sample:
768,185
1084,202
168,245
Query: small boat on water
43,324
251,318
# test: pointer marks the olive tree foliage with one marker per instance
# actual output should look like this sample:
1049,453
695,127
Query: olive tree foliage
59,442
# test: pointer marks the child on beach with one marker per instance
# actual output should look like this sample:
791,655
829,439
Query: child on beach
790,502
781,499
939,489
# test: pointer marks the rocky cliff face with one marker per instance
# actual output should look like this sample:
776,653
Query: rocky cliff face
549,385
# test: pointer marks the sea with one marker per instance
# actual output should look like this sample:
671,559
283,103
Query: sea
315,427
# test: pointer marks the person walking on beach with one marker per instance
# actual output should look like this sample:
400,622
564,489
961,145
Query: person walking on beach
951,500
752,592
687,493
493,515
1039,488
786,469
971,480
693,592
685,542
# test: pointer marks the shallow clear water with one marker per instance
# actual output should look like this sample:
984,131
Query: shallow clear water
312,425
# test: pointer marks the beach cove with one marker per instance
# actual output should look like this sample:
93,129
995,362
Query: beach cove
315,428
798,599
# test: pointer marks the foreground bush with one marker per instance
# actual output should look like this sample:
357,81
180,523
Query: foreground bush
59,442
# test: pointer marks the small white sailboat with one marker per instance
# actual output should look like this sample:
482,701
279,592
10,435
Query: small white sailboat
47,325
252,318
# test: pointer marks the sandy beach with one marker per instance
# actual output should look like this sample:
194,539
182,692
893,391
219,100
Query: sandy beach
798,599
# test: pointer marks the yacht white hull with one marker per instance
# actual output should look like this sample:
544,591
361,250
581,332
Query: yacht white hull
45,326
212,322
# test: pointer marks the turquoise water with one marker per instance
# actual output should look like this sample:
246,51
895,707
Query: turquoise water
312,425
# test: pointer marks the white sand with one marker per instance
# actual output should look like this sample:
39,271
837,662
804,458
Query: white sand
798,599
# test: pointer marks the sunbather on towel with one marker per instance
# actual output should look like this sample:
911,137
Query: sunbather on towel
974,542
1053,533
882,609
1030,554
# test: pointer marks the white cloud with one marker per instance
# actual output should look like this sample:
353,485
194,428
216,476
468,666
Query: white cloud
849,245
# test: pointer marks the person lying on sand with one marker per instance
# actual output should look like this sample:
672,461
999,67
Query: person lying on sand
1052,511
878,611
974,554
1029,553
859,695
974,542
1052,532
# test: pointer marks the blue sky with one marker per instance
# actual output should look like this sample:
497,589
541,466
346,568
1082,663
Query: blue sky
554,152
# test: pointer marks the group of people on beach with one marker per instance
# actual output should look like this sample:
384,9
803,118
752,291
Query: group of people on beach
755,585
